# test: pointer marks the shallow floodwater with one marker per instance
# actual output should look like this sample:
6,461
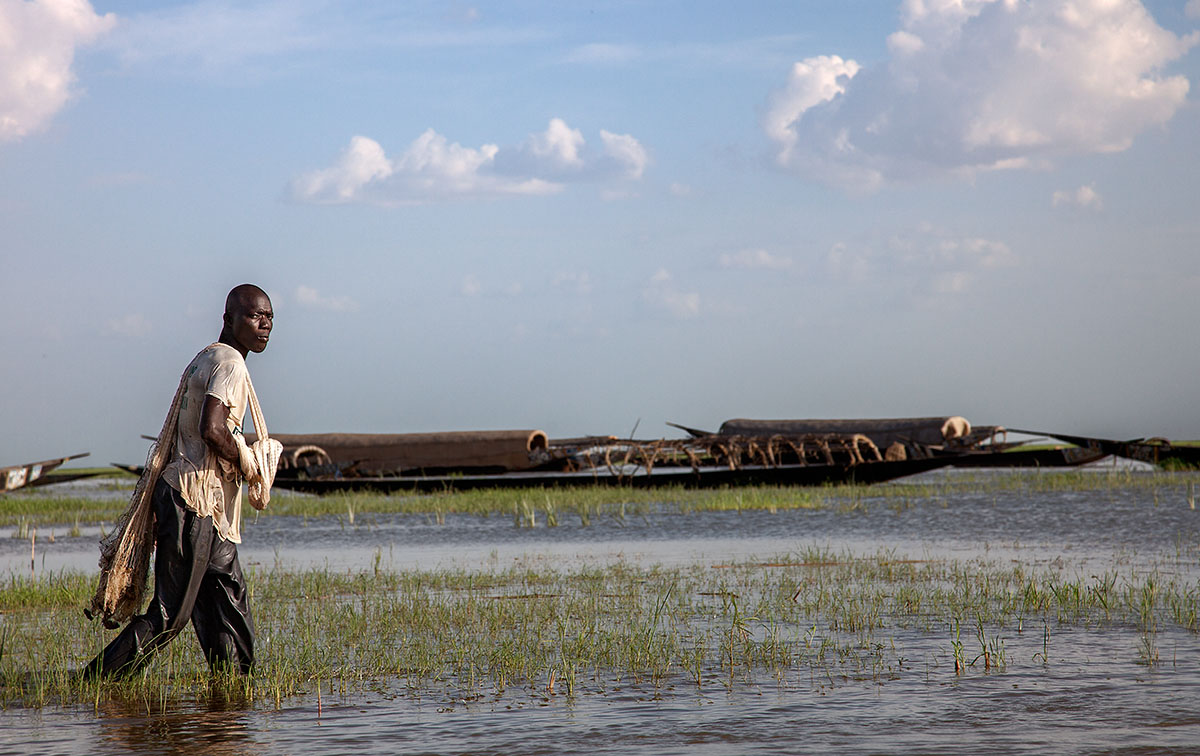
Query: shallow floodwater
1094,694
1072,709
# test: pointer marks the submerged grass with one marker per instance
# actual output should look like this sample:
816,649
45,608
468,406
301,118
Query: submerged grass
808,615
25,510
804,616
537,505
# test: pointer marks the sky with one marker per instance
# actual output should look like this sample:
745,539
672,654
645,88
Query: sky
597,218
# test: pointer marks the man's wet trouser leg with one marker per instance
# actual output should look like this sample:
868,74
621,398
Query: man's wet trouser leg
221,614
185,547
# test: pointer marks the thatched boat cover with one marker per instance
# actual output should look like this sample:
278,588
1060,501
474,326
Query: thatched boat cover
396,453
883,432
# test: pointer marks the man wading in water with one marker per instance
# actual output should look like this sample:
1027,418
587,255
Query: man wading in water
188,506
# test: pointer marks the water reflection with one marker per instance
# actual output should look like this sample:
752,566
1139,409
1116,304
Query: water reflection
217,725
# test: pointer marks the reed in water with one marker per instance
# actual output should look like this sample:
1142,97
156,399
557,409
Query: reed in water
804,618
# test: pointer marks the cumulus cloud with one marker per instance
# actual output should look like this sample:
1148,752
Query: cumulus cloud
432,168
661,294
558,145
38,39
307,296
976,85
561,153
755,259
1085,197
812,82
926,260
626,152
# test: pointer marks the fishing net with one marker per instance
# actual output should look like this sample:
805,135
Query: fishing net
125,552
260,459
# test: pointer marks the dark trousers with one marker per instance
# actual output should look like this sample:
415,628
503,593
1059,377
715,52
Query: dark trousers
196,576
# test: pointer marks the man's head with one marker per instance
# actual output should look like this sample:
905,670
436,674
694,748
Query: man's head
248,319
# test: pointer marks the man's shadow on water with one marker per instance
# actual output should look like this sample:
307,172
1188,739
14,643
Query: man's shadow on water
215,724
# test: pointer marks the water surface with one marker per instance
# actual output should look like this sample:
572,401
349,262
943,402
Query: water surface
1094,693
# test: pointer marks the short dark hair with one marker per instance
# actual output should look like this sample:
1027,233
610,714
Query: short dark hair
239,294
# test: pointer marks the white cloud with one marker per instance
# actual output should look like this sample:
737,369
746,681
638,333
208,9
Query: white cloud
680,190
812,82
1192,9
310,297
251,36
925,260
38,39
904,43
977,85
1085,197
559,144
662,295
432,168
132,326
561,153
362,163
755,259
215,34
627,152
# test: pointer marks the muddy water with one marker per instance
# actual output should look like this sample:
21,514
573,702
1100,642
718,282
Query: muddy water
1092,694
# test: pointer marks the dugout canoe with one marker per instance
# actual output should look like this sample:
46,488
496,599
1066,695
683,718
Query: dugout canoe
36,473
708,461
704,477
394,454
883,432
1156,451
1063,456
918,437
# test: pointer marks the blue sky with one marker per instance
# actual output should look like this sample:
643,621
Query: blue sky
585,217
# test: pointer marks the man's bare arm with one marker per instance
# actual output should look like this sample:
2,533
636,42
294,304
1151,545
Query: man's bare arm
213,429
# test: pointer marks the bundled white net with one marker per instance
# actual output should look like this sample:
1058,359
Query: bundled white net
125,552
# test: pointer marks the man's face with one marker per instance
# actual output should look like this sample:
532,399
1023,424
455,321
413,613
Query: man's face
251,322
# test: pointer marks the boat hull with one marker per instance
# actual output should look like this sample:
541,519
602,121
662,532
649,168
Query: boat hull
784,475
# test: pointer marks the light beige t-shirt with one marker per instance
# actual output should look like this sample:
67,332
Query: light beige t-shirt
193,470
